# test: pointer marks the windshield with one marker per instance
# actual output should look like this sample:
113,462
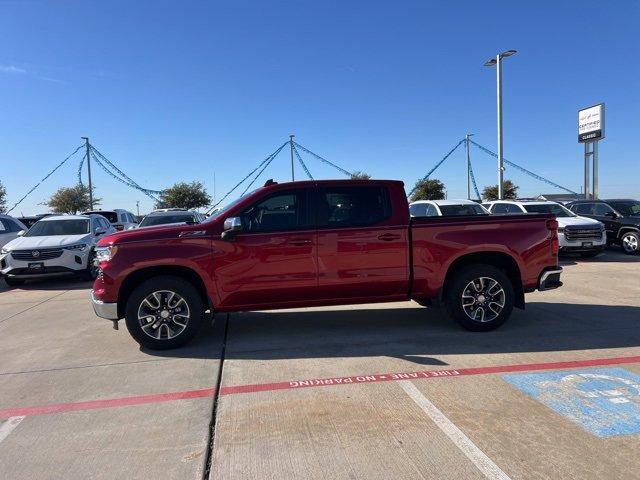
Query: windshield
150,220
627,208
462,210
227,207
553,208
45,228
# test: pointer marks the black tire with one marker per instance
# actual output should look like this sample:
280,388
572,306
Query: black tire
590,254
630,242
14,282
160,341
459,286
91,272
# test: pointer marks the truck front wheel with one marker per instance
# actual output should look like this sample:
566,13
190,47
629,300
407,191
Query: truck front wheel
164,312
480,297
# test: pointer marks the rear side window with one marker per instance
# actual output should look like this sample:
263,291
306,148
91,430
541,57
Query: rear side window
282,211
352,206
461,210
583,208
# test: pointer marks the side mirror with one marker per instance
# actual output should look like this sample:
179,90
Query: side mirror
21,233
232,225
611,214
100,231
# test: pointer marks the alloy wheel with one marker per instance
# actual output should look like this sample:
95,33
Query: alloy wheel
483,299
630,243
163,315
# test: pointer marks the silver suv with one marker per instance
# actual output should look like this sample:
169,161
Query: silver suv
10,228
118,218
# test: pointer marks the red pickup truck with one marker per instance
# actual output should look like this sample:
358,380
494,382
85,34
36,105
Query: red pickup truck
316,243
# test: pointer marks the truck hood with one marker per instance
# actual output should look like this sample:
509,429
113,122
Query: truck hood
153,233
26,243
577,222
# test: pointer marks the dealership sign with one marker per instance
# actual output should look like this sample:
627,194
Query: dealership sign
591,124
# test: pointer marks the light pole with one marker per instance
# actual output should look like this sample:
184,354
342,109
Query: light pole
497,61
468,166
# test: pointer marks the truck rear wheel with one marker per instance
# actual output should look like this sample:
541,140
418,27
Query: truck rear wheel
480,297
164,312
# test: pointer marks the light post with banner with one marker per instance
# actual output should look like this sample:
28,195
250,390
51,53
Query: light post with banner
590,132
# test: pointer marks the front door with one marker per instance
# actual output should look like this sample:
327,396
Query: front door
362,253
272,261
607,215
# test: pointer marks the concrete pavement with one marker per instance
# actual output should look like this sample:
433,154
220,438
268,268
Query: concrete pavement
114,419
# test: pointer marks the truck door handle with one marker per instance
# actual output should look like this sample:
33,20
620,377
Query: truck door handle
299,242
387,237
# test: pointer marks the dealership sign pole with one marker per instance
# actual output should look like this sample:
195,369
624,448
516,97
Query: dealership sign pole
590,132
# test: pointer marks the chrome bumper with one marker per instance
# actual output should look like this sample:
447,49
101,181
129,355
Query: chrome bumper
550,279
106,310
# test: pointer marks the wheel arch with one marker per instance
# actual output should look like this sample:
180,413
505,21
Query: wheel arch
136,277
627,228
501,260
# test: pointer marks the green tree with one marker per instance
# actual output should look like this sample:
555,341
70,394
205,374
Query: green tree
509,191
358,175
71,200
184,195
3,198
429,189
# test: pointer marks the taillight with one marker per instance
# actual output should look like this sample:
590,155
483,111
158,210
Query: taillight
552,226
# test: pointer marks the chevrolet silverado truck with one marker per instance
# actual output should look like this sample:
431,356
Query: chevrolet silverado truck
316,243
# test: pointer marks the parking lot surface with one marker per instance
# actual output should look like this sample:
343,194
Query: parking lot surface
358,392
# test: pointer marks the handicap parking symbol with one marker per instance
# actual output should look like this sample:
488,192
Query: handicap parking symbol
604,401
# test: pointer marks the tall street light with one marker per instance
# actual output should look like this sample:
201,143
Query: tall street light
497,61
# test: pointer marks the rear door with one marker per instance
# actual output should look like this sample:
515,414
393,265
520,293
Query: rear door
272,261
362,245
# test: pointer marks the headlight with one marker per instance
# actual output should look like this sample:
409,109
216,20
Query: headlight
4,251
79,246
105,254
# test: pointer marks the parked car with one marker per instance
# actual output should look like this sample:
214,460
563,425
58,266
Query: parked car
316,243
576,234
167,216
446,208
30,220
118,218
10,228
621,219
55,245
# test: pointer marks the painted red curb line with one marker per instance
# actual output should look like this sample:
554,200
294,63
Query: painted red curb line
108,403
314,382
390,377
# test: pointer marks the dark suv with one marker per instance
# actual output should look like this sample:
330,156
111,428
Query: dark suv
621,219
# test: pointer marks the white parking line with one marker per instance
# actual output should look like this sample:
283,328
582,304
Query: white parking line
8,426
464,443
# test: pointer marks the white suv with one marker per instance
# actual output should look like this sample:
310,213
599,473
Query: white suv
56,245
10,228
575,234
120,219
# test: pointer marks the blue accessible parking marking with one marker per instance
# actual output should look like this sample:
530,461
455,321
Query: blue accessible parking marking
604,401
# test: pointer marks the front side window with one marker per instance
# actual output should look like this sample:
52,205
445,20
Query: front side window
352,206
505,208
583,208
601,209
279,212
59,227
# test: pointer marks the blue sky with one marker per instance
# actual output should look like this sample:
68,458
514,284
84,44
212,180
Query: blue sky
173,91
